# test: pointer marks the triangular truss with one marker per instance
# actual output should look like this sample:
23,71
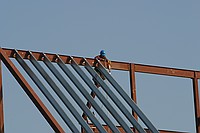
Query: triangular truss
75,62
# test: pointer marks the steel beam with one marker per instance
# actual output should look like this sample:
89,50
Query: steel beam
147,130
133,86
196,103
59,93
46,93
70,90
133,89
98,93
114,99
115,64
86,95
1,102
165,131
30,92
130,102
164,71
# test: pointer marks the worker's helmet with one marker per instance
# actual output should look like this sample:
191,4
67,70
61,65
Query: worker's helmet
102,53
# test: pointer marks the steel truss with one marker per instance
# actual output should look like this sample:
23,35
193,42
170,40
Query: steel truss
61,60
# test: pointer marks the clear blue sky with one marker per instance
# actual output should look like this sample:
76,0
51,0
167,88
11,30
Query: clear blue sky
164,33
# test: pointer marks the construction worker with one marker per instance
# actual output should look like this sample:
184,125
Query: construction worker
106,63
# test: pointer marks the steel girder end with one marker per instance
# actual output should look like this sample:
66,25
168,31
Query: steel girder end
14,53
42,56
55,58
28,55
69,60
83,61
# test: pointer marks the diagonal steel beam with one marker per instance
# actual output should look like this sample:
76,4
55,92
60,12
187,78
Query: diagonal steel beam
70,90
86,95
99,94
46,93
114,98
30,92
124,95
59,93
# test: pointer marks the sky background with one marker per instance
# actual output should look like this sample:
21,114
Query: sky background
162,33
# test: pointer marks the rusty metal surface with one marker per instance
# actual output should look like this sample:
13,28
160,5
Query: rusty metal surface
1,102
166,131
133,89
164,71
30,92
115,64
122,131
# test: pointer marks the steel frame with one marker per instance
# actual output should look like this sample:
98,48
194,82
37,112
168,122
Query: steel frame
6,53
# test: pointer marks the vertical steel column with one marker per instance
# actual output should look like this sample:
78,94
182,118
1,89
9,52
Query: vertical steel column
196,102
30,92
133,88
1,102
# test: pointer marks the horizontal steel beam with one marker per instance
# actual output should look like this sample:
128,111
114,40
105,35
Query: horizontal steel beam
147,130
115,64
167,131
165,71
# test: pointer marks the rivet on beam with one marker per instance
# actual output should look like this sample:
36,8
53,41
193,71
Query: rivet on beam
14,54
83,63
70,60
28,56
42,57
56,58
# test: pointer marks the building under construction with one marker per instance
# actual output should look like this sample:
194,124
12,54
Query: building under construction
81,70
